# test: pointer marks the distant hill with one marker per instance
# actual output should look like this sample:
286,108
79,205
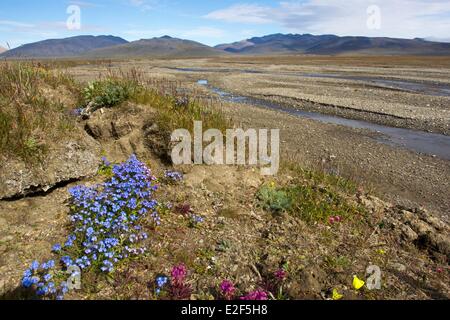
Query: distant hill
158,47
67,47
333,45
2,49
115,47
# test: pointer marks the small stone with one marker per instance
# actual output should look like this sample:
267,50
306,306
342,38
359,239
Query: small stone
408,233
399,267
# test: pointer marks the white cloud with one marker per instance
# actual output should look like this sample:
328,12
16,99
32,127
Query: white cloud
16,24
400,18
242,13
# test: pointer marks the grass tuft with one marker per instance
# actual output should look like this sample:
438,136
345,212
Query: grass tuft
32,111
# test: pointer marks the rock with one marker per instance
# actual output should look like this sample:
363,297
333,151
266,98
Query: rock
89,110
158,142
108,125
311,279
120,128
425,231
65,161
408,233
399,267
421,227
98,128
431,220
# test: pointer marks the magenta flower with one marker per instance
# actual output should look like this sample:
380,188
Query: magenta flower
256,295
335,219
179,274
228,289
280,274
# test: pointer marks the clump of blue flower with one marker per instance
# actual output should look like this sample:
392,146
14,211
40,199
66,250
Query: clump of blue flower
107,223
41,277
161,281
173,176
195,220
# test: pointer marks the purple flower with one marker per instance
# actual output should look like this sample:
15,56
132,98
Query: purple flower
179,274
228,289
280,274
173,176
256,295
105,161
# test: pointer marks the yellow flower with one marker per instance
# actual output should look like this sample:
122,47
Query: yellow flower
381,251
358,283
337,295
272,184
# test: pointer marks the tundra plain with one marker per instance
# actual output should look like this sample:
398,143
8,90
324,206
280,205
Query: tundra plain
364,178
402,92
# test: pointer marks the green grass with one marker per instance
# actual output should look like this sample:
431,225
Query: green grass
29,119
309,202
313,196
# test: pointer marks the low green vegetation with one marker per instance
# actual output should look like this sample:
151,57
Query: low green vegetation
274,199
320,198
108,93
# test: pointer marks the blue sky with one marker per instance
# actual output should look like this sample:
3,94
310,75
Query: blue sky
221,21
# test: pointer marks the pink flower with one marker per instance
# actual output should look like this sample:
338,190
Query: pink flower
280,274
256,295
228,289
439,270
338,218
332,220
179,273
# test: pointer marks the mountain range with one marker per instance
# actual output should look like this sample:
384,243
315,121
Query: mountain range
157,47
67,47
334,45
115,47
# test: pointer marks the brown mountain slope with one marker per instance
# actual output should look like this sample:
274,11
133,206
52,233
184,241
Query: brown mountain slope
158,47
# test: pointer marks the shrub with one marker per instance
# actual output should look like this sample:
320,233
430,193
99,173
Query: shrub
106,93
273,199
